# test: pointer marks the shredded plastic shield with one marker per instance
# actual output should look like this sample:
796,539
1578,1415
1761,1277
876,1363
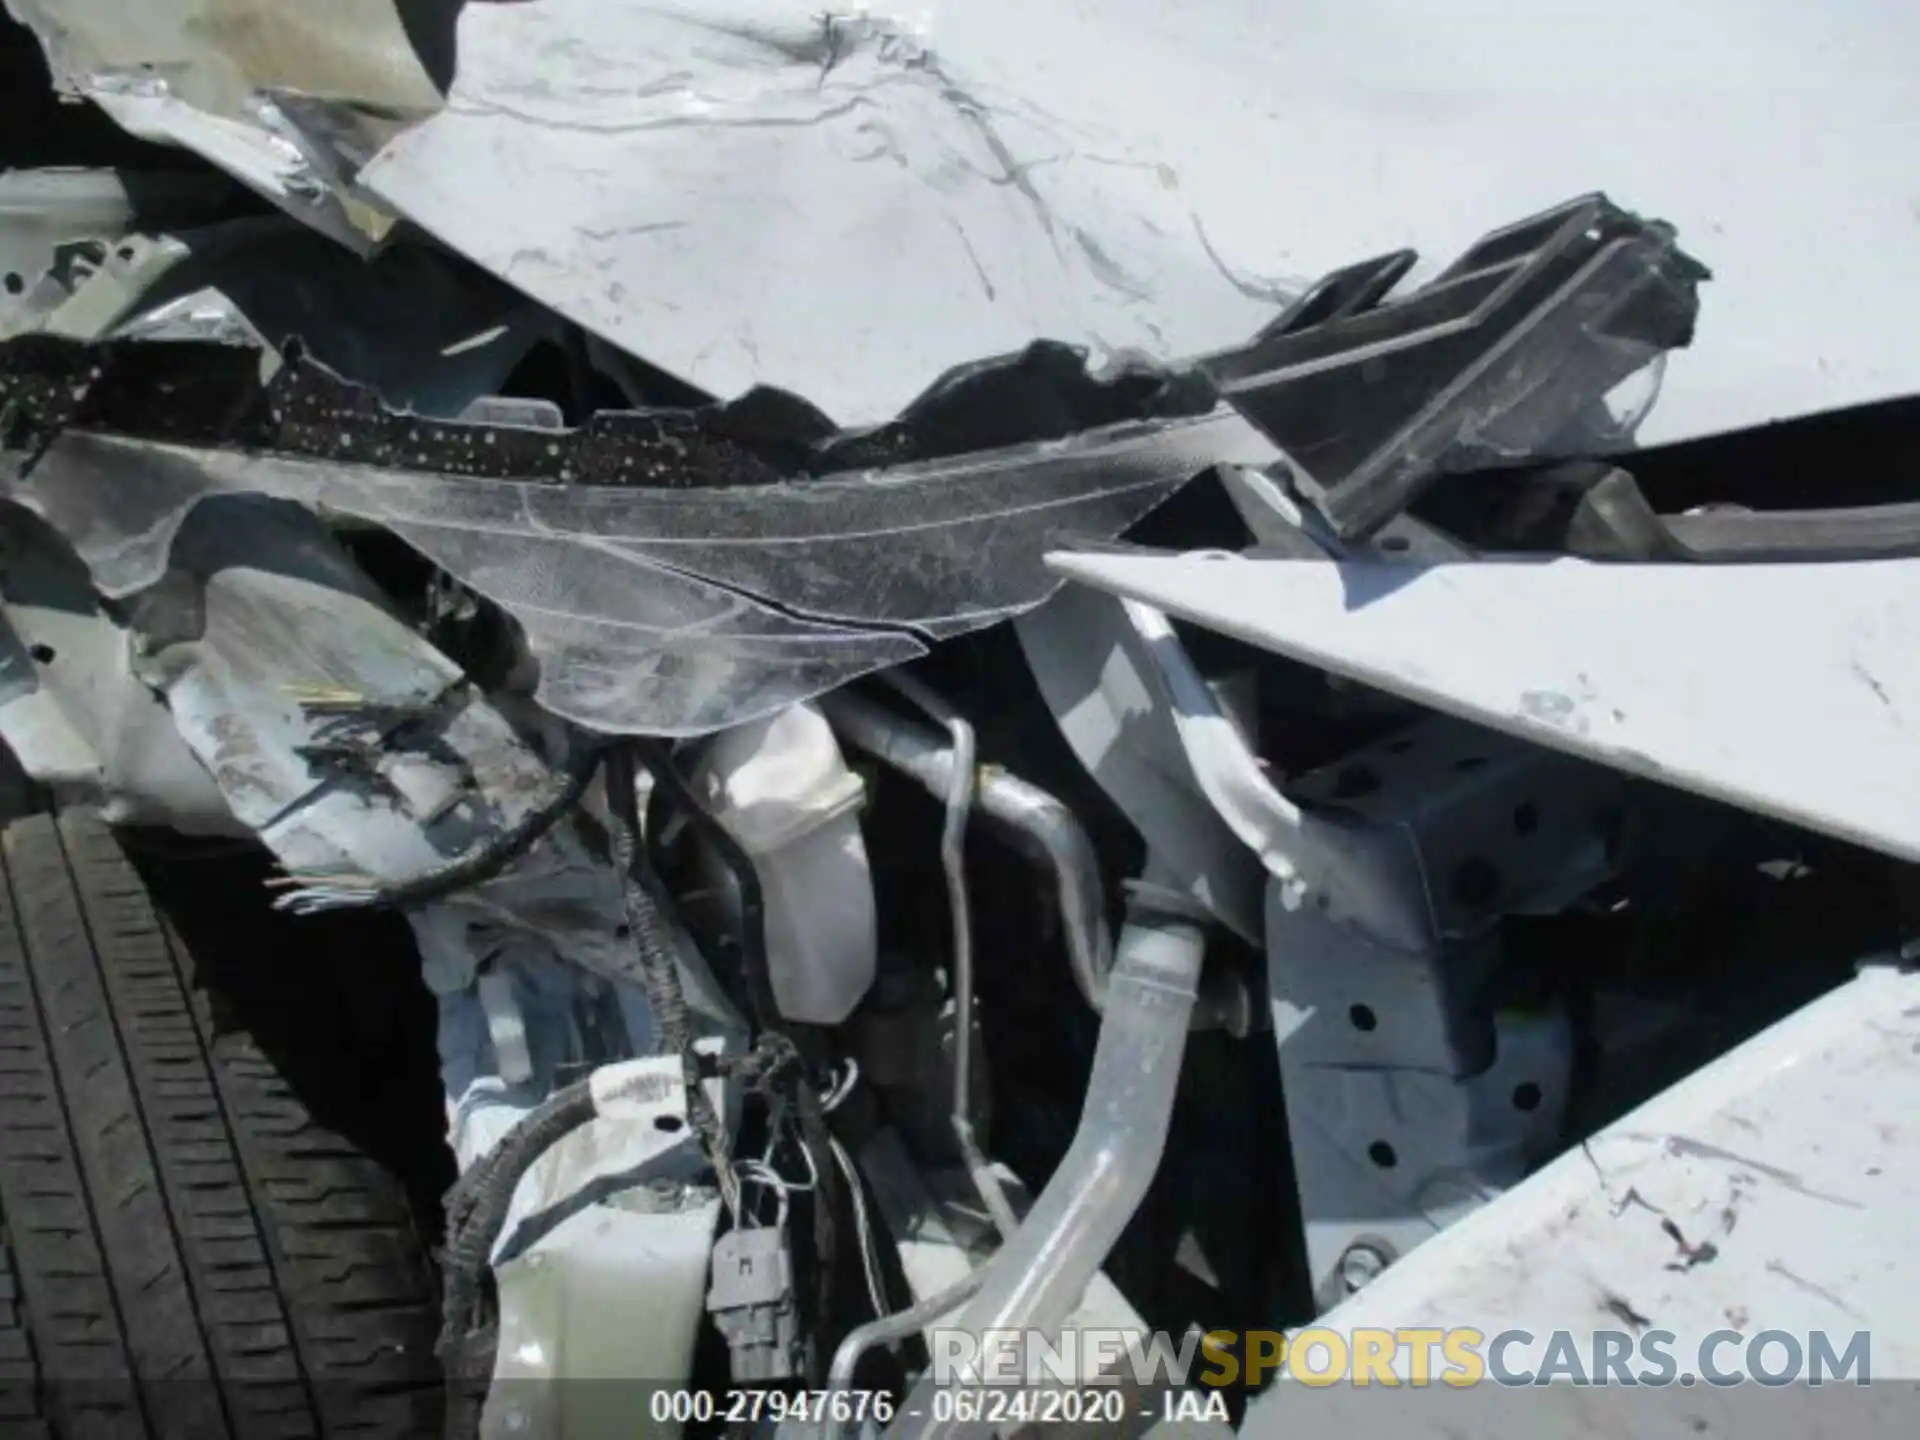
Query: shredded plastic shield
677,612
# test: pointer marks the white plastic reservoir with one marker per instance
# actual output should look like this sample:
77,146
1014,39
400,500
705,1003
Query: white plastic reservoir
782,790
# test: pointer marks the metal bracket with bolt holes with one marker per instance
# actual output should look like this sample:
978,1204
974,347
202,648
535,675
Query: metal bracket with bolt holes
1409,1101
1775,1187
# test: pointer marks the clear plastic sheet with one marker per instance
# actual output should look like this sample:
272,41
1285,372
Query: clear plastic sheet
679,612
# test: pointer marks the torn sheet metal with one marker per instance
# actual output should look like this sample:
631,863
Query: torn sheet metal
659,610
950,181
73,712
209,75
350,745
749,192
1776,1189
1785,689
44,211
427,332
340,737
839,206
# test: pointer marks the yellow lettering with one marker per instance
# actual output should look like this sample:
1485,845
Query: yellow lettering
1466,1365
1373,1352
1266,1350
1305,1343
1421,1343
1216,1348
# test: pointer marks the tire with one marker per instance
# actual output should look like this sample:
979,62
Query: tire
184,1251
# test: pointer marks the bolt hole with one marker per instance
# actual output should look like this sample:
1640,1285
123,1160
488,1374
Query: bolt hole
1526,1096
671,1124
125,252
1475,883
1382,1155
1470,763
1363,1017
1354,781
15,282
1395,544
1526,818
42,654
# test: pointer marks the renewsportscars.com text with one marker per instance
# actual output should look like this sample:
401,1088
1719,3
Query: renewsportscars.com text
1409,1356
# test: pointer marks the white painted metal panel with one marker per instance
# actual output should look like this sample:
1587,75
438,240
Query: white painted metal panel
1793,1158
728,190
1793,690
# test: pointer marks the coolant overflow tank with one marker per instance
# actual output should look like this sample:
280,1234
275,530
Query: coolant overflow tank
782,790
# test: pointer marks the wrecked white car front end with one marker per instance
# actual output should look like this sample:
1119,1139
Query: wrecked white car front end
946,721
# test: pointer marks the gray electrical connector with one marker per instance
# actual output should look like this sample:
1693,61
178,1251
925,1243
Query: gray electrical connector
752,1303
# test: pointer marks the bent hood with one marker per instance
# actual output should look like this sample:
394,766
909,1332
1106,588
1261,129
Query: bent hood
748,192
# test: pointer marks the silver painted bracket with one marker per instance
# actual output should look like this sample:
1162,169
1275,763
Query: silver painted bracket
1411,1100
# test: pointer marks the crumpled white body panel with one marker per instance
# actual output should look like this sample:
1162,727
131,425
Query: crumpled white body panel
1790,690
739,196
742,193
1786,1166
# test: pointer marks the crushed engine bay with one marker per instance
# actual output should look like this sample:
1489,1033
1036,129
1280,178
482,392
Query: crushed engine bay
902,746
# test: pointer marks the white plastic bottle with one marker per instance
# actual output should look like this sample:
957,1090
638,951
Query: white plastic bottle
782,789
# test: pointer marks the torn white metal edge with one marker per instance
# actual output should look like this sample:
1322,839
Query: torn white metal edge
839,206
43,210
1791,690
846,206
252,153
1791,1157
235,697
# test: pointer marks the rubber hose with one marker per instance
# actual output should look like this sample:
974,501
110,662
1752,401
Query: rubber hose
479,1202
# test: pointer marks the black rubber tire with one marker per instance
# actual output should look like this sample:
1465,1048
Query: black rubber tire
184,1251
